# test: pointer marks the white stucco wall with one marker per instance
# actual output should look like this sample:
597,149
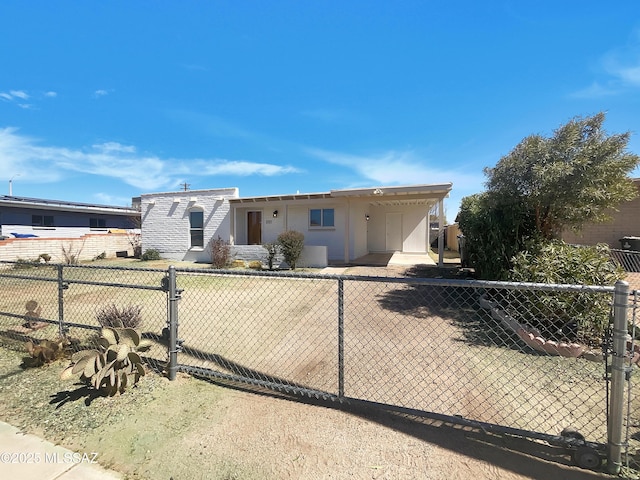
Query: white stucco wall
413,229
332,238
165,221
360,229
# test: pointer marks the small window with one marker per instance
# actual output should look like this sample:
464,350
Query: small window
97,223
42,220
321,217
196,228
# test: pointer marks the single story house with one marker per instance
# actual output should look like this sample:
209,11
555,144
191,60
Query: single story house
22,217
339,225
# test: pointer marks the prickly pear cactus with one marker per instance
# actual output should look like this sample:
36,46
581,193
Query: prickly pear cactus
45,351
115,364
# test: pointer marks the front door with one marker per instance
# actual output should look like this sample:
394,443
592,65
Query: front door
394,232
254,228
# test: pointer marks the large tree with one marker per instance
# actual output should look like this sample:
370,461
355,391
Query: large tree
574,177
544,185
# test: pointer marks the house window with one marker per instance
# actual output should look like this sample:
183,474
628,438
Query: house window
42,220
196,228
321,217
97,223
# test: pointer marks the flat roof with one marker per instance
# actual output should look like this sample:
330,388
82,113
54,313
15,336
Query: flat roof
432,191
44,204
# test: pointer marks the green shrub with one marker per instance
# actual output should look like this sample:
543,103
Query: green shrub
581,316
220,253
150,254
291,245
255,265
119,317
494,233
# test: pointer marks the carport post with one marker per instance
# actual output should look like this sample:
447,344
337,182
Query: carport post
618,374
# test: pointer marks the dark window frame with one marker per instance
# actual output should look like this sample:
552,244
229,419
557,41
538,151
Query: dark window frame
196,233
322,218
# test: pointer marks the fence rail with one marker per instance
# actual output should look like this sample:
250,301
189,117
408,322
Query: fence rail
529,359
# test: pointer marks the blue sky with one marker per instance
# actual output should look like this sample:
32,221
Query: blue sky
102,101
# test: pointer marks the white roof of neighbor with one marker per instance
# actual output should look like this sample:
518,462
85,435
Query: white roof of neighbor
61,205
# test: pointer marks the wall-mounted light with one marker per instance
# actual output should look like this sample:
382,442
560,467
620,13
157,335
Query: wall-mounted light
366,217
275,213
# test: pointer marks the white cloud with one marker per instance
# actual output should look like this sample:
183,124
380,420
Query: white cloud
391,167
406,168
19,153
242,168
19,94
100,93
620,68
596,90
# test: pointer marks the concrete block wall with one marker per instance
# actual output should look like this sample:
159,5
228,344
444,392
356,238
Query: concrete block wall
312,256
87,247
625,222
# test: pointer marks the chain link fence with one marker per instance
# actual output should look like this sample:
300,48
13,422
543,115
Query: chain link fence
483,351
531,358
42,301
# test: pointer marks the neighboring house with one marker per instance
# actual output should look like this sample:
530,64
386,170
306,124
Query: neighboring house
22,217
339,226
624,223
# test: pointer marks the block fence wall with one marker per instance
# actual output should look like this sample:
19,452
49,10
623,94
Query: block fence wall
87,247
625,222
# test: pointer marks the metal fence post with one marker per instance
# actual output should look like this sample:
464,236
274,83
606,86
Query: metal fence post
173,324
340,338
618,374
61,288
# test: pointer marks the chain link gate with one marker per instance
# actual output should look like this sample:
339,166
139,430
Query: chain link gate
38,297
484,354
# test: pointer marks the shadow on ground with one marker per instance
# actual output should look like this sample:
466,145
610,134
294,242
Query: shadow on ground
526,457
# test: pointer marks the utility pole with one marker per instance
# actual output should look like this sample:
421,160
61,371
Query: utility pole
11,184
185,185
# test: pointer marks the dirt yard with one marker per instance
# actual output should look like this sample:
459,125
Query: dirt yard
192,429
195,429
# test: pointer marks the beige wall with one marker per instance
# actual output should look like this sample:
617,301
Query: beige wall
452,237
90,246
625,223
